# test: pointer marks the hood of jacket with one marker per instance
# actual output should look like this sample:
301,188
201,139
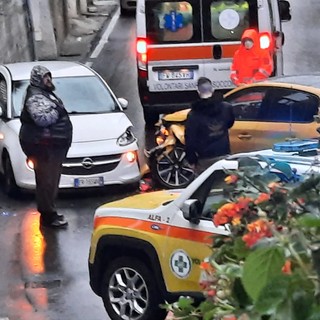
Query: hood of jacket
36,77
253,35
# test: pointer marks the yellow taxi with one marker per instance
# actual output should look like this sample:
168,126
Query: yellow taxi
279,109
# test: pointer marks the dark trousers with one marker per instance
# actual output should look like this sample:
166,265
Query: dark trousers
205,163
47,161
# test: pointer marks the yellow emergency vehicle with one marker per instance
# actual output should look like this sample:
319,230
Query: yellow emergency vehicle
147,249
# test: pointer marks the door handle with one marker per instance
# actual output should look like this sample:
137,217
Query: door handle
244,136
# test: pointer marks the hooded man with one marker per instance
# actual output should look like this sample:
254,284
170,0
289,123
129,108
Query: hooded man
250,62
45,138
207,128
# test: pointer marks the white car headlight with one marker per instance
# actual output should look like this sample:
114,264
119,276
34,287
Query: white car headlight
126,138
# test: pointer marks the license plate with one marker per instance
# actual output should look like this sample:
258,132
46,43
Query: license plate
88,182
176,75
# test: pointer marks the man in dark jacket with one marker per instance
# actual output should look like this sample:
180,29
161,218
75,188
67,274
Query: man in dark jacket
207,135
45,138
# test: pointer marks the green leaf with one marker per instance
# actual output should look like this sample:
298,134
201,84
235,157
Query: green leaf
309,220
272,295
240,249
315,313
185,302
270,177
261,266
206,306
301,304
240,294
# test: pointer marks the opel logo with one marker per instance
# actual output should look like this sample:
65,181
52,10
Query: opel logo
87,163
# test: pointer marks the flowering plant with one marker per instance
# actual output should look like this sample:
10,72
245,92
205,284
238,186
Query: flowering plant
269,265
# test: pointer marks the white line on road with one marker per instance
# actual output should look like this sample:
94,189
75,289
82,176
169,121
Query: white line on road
105,36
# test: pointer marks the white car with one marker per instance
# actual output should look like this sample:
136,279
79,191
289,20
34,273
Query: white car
103,150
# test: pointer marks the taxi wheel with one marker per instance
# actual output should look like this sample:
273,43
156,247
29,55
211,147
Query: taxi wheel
171,170
129,291
10,185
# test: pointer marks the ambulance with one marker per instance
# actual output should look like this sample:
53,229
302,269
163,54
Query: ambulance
180,41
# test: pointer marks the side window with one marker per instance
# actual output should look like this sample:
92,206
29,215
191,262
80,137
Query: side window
247,104
226,20
171,21
212,192
289,105
3,96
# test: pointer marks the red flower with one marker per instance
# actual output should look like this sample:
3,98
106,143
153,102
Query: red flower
263,197
231,179
205,265
287,267
257,230
229,317
225,214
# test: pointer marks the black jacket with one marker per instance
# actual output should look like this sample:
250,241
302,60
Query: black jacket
207,127
44,119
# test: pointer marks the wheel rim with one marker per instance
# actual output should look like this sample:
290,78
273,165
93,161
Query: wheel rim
128,294
173,169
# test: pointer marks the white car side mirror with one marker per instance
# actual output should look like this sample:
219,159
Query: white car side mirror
123,102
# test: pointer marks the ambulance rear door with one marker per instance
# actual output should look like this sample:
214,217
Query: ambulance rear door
175,49
224,22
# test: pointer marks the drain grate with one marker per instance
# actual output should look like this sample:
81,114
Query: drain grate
49,284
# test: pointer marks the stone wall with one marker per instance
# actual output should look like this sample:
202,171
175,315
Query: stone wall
15,29
35,29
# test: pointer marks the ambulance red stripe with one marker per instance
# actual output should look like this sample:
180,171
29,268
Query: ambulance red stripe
185,53
146,226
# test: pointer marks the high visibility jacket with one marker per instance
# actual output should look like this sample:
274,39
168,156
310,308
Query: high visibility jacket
251,65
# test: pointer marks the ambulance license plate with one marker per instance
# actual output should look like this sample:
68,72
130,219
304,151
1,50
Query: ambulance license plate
175,75
88,182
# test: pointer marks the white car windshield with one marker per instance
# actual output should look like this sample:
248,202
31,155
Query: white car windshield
80,95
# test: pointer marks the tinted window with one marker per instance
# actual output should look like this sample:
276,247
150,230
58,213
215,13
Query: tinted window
3,96
79,95
275,104
171,21
225,20
211,192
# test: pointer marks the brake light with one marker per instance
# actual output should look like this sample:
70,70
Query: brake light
265,41
142,57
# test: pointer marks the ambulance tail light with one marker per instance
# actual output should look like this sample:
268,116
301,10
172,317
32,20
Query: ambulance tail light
266,41
142,58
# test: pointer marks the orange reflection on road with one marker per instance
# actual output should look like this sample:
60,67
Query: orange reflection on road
34,244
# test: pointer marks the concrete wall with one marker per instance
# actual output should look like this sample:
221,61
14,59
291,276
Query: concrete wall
15,30
35,29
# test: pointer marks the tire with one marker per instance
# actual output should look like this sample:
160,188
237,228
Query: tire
150,118
9,182
171,170
129,291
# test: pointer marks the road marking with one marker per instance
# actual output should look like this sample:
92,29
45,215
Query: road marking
105,37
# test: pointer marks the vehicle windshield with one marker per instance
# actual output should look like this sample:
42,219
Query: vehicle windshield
80,95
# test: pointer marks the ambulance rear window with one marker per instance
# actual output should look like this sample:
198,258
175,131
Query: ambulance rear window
226,20
199,20
169,21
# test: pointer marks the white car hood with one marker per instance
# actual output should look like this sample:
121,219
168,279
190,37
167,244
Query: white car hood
93,127
97,127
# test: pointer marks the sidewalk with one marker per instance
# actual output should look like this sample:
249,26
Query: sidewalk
86,30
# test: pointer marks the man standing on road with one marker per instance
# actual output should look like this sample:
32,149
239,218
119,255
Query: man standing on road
208,122
45,137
